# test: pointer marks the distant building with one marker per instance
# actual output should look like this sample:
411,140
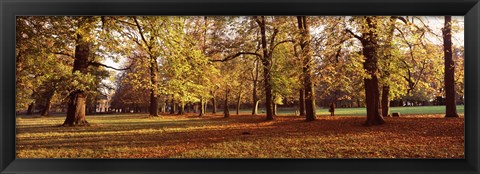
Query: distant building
103,103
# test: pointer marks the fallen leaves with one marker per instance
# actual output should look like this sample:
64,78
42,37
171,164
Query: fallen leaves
211,136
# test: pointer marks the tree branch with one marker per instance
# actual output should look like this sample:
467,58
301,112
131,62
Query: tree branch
284,41
401,18
97,64
354,35
140,30
65,54
234,56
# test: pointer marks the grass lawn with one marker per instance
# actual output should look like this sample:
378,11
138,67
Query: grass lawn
244,136
363,111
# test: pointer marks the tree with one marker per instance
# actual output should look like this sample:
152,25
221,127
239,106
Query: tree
451,110
77,99
306,56
369,41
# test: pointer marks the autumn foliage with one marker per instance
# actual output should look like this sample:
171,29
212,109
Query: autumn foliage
244,136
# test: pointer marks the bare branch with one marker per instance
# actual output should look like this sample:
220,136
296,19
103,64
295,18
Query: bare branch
97,64
140,30
401,18
354,35
234,56
64,54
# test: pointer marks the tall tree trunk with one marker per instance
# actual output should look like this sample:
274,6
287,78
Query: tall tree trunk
451,110
214,105
173,107
153,105
202,107
181,110
385,101
386,73
226,111
205,107
275,109
255,107
76,103
48,104
302,102
31,108
372,91
310,108
238,102
164,106
254,93
266,61
153,93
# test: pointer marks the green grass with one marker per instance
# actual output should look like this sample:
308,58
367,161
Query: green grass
413,110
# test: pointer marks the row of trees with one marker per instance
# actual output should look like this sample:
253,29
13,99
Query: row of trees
260,60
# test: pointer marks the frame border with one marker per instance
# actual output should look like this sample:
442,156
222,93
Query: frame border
11,8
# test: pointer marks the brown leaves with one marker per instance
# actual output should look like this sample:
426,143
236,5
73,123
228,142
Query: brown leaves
135,136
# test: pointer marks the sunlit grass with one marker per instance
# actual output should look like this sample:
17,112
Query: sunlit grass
245,136
362,111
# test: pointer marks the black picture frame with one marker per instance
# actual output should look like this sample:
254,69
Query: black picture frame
11,8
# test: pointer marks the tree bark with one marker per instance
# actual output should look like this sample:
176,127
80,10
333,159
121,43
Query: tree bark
214,105
302,102
153,105
202,108
181,110
173,107
451,110
372,91
238,102
48,104
254,93
275,109
266,62
226,111
76,103
31,108
310,108
385,101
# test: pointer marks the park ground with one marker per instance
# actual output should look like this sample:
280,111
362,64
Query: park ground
420,132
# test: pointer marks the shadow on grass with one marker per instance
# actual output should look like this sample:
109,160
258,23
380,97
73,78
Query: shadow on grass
147,132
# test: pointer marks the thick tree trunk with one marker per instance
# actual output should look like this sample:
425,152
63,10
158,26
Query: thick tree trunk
451,110
153,104
48,104
254,93
202,107
226,111
153,94
214,105
76,103
310,107
181,110
238,102
385,101
173,105
255,107
372,91
31,108
76,110
302,102
266,61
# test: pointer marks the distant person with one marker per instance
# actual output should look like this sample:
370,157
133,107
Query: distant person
332,109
